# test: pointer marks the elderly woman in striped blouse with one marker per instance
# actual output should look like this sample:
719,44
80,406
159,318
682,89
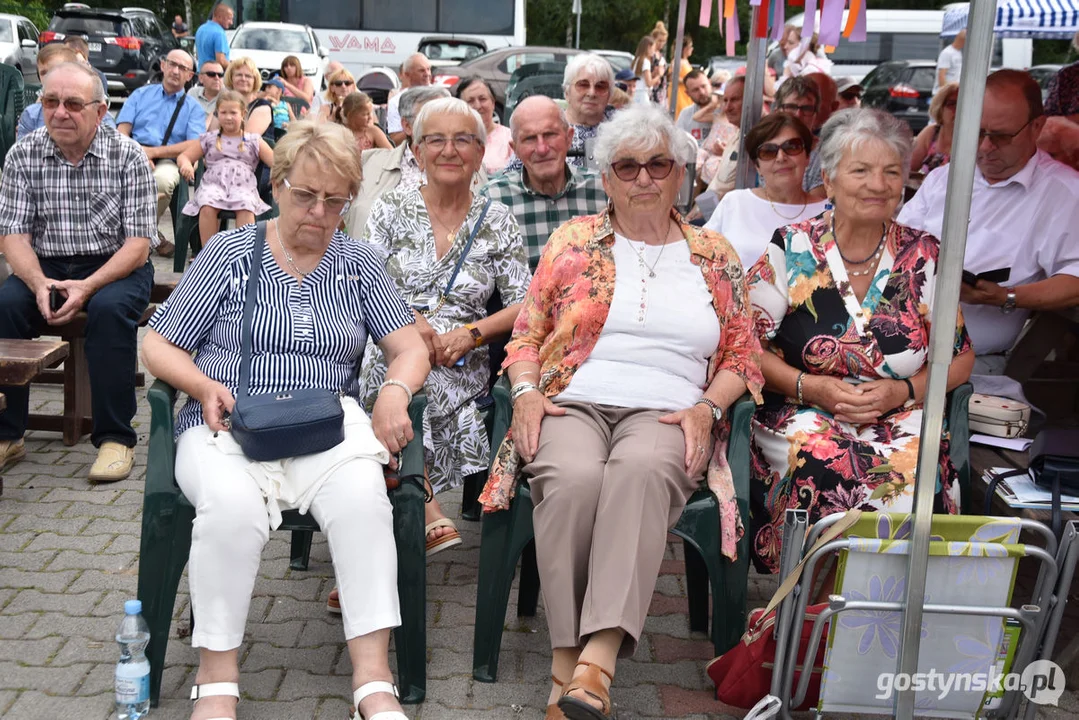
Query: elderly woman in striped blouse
320,295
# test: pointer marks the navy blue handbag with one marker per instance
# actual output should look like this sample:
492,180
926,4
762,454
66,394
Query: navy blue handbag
280,425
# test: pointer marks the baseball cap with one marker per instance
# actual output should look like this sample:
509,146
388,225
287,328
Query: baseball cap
845,84
276,82
624,75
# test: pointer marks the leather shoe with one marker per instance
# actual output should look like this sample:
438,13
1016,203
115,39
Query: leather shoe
114,462
11,452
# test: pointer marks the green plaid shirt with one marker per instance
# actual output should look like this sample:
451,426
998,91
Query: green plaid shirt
540,215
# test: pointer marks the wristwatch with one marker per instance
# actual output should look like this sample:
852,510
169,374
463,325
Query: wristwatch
717,411
477,336
1009,302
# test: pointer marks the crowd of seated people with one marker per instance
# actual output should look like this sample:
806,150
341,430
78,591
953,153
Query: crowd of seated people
628,331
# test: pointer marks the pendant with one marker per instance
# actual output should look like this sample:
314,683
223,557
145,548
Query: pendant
651,273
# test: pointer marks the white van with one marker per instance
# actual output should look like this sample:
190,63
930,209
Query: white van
909,35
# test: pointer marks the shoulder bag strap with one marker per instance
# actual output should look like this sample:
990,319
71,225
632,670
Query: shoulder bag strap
831,533
172,120
249,309
467,248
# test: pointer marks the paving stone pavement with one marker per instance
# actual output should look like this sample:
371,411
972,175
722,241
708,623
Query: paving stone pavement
69,558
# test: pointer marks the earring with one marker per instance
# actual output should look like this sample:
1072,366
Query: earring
610,207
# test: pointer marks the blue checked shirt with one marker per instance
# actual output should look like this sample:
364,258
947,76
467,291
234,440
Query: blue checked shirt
85,209
540,215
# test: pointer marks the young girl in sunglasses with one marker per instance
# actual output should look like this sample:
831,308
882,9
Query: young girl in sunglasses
231,156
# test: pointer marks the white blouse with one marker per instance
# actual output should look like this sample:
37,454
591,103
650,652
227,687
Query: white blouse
654,347
749,222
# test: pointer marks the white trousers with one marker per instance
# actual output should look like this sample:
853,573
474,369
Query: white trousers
232,526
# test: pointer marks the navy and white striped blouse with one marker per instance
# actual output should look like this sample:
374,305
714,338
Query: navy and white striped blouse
303,335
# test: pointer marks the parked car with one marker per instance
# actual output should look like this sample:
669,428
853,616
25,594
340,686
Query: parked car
618,59
18,45
444,50
1043,74
903,88
127,45
269,43
730,63
496,67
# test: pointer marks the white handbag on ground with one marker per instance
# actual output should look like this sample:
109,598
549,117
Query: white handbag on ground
998,416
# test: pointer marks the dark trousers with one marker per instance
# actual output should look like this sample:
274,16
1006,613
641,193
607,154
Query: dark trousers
113,315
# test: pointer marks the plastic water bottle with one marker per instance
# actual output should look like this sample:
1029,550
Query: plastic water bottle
133,669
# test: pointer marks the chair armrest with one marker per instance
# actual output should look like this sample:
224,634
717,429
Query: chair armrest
412,459
738,454
958,408
161,455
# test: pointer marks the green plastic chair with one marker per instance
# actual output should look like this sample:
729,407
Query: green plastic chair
167,517
509,535
11,106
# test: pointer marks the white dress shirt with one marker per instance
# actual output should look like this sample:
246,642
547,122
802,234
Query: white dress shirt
1028,223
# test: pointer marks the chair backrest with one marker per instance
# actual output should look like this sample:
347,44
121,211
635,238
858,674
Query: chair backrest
11,106
972,564
548,85
557,69
299,106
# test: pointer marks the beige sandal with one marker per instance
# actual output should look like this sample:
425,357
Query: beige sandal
589,682
442,542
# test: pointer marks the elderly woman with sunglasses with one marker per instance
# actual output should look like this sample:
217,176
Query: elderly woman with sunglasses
843,303
448,250
339,85
778,146
633,341
321,295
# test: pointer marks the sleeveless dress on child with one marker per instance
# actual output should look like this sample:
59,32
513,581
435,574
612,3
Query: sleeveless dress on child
229,181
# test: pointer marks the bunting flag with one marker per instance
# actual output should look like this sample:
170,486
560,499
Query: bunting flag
706,13
831,20
779,20
809,25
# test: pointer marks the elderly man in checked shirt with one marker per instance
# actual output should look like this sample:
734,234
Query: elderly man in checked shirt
546,192
77,217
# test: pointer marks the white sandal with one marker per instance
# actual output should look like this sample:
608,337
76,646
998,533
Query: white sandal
372,688
215,689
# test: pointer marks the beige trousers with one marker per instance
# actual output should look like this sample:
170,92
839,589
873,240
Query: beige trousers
167,177
607,483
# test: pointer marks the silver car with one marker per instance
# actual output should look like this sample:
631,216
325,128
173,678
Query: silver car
18,45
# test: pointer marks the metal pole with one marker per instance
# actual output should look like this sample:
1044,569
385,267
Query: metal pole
676,61
752,101
949,268
577,12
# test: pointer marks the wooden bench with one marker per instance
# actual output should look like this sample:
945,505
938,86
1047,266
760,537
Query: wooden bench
76,420
23,360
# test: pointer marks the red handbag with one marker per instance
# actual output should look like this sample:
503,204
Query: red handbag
743,674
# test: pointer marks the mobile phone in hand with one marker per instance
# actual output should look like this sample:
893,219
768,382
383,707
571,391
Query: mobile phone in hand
56,299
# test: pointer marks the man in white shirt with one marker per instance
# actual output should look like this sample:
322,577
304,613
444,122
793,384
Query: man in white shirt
415,71
699,89
1024,217
950,62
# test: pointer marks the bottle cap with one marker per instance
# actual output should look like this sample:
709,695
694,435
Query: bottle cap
133,607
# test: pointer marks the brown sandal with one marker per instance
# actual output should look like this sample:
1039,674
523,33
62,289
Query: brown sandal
553,711
589,682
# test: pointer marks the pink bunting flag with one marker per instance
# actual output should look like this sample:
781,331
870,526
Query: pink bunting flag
779,19
706,12
732,34
809,25
831,21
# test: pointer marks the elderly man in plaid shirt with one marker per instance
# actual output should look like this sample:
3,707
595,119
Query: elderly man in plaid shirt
546,192
77,220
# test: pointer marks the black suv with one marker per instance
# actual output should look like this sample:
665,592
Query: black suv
127,44
903,88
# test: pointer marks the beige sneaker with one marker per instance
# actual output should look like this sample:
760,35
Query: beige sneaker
11,452
113,462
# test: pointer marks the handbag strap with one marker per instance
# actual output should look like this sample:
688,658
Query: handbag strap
830,533
172,120
249,309
468,247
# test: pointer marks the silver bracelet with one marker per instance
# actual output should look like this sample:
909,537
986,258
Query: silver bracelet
520,389
397,383
798,388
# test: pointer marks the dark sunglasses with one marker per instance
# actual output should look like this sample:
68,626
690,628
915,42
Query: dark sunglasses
630,170
72,105
790,148
342,83
213,73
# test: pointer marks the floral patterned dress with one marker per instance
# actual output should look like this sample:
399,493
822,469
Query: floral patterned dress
229,182
455,439
805,309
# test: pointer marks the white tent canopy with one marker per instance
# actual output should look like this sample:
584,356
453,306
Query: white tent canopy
1043,19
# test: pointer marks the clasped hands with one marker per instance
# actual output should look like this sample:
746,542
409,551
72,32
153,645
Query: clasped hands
856,404
445,348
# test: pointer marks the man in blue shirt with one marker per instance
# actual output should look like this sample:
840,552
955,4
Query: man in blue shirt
211,43
145,118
